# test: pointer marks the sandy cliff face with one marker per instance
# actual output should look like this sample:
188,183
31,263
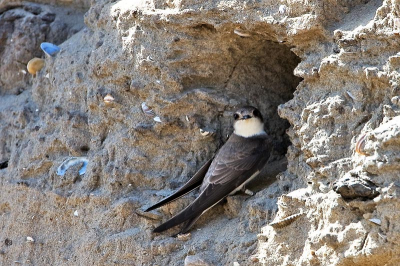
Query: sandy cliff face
324,74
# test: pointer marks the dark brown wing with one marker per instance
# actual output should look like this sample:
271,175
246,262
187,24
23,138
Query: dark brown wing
237,157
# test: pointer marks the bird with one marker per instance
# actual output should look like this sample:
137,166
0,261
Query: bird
236,163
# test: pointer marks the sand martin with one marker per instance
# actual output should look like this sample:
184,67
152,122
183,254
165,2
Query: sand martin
238,161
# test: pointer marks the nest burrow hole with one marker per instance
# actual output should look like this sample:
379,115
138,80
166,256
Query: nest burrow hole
252,71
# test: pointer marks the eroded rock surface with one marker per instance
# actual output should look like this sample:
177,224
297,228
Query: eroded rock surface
323,73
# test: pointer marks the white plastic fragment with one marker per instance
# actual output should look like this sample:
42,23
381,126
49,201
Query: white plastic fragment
376,221
29,239
76,213
157,119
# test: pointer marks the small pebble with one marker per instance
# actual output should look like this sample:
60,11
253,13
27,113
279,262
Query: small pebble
184,237
34,65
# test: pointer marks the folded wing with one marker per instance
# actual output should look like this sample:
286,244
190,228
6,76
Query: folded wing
193,183
228,171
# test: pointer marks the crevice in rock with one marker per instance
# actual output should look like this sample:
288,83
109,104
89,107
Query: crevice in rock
264,77
4,164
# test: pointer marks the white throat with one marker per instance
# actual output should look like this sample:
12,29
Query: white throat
249,127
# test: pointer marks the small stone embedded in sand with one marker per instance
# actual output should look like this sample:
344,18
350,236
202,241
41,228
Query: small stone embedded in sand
29,239
8,242
34,65
76,213
355,188
71,161
136,85
184,237
50,49
254,259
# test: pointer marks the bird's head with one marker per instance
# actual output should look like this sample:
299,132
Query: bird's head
248,122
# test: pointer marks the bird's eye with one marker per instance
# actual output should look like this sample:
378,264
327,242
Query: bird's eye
236,116
256,113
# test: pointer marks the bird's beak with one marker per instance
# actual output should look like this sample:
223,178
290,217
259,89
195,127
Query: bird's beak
246,117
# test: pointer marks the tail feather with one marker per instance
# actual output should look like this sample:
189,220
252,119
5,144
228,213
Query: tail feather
178,219
206,200
193,183
189,224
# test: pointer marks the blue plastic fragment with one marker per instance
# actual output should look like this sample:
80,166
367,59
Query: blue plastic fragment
49,48
83,168
71,161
